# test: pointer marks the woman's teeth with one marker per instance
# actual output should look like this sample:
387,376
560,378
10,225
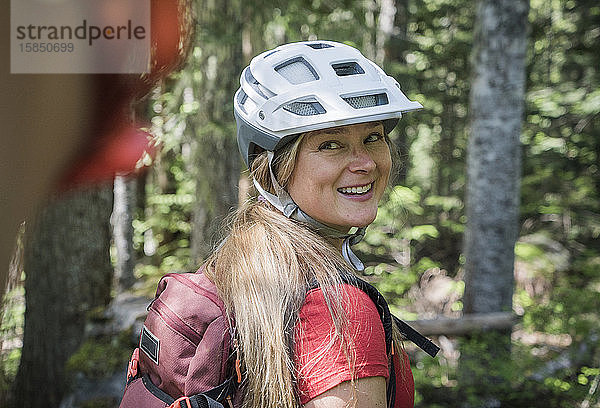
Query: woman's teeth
356,190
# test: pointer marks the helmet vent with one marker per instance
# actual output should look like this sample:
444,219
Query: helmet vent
261,90
241,99
304,108
319,46
347,68
367,101
297,71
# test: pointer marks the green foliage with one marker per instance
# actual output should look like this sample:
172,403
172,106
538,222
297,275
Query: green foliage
101,357
106,402
11,330
513,382
560,180
162,228
560,136
573,304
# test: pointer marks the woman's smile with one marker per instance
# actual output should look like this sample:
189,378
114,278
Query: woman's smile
357,190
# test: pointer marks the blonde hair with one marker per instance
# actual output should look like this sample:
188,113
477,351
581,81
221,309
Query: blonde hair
263,271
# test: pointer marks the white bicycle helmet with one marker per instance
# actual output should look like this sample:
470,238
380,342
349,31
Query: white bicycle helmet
311,85
305,86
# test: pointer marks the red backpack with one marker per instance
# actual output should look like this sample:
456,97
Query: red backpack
184,349
185,358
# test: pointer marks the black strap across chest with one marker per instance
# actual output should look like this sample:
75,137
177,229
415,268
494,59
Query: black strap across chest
387,318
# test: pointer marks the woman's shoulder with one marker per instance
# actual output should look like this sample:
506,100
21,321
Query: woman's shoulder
322,364
354,301
359,313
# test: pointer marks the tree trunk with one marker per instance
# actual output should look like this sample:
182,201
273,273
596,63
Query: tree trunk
385,29
493,167
68,273
125,197
216,158
494,159
371,30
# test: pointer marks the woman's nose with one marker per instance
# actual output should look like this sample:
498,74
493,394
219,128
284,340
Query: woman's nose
361,161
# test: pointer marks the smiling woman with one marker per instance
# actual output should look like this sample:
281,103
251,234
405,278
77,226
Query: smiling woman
313,120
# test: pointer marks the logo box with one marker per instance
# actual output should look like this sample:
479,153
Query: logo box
80,36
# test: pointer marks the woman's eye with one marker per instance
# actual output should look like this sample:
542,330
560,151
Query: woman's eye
373,137
329,145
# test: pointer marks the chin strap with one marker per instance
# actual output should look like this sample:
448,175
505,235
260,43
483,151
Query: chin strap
349,256
284,203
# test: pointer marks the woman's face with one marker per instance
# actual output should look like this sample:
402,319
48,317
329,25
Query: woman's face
341,173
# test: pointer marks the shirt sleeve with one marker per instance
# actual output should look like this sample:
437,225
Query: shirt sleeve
320,359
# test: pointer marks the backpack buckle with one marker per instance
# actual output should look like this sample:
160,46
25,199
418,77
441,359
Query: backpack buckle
132,368
178,403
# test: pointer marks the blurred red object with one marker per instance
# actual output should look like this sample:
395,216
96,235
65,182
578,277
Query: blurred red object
118,154
115,143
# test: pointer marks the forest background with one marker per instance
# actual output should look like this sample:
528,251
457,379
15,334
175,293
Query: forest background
414,250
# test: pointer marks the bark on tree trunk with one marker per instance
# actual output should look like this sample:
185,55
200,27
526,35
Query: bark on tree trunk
493,169
385,28
125,197
371,31
68,273
494,154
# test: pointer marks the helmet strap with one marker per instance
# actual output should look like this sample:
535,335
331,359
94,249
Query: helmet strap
286,205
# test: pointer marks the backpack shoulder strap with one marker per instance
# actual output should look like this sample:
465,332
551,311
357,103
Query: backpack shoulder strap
387,319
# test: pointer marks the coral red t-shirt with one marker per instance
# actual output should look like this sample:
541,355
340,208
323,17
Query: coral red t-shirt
320,372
